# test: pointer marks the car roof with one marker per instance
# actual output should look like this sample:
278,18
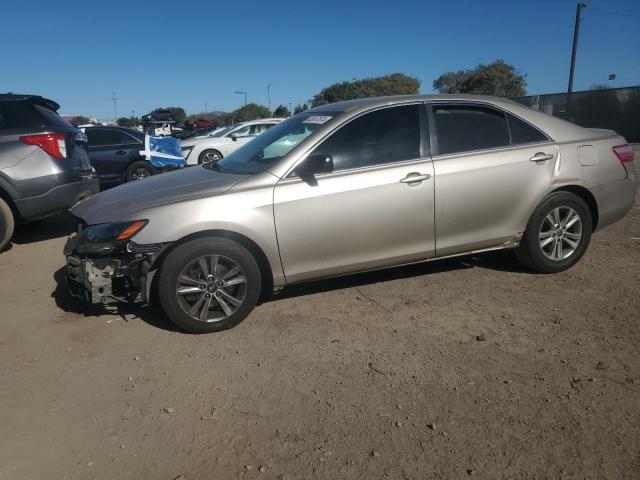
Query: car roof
259,120
347,105
554,127
114,127
37,99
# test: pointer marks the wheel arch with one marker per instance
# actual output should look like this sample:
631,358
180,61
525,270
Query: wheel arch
588,198
266,273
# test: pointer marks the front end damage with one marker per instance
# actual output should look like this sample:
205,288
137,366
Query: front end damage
104,266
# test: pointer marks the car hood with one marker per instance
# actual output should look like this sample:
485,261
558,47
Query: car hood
125,201
202,140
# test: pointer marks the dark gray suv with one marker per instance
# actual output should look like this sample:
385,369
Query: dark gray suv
44,164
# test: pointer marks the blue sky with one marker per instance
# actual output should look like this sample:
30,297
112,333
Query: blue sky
187,54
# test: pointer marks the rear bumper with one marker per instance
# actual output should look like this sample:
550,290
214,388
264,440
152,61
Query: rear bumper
57,199
614,200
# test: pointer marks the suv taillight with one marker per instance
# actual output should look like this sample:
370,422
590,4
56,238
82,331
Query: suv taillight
52,143
623,152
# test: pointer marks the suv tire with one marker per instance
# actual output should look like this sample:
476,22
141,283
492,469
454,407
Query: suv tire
7,224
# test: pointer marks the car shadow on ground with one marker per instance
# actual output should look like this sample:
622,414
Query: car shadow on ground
153,315
502,261
57,226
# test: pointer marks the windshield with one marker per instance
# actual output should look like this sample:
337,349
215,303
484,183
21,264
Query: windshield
266,149
218,132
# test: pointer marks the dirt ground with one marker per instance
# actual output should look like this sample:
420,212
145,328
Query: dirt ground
443,370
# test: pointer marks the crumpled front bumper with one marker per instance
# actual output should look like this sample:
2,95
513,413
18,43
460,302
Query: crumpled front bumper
119,276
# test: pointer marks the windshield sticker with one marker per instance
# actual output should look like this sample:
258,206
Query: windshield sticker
317,119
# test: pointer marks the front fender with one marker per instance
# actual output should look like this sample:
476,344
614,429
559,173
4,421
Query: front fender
248,213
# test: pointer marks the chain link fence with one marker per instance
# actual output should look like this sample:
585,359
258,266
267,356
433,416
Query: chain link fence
616,109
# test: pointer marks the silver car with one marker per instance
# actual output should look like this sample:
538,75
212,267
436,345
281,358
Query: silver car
348,187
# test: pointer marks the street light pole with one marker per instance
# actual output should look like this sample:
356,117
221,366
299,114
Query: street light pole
576,33
269,97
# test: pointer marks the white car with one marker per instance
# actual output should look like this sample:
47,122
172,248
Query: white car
221,143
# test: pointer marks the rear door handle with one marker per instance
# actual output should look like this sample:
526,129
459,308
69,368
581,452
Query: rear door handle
541,157
121,152
415,177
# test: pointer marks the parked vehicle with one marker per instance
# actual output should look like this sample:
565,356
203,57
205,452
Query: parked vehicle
198,132
217,146
44,166
347,187
115,154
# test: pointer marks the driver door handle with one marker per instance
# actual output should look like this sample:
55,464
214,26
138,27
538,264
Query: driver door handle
415,177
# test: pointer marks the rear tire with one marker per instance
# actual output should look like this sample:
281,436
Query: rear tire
557,235
192,281
7,224
138,170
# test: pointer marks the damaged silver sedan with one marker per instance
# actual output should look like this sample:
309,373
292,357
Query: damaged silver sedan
348,187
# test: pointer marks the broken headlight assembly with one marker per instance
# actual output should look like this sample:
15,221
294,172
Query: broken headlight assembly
105,238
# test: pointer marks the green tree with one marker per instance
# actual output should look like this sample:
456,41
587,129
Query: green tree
251,111
281,112
128,122
80,120
394,84
498,78
300,108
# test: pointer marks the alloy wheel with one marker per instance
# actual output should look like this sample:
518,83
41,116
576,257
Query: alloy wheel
211,288
560,233
140,173
210,157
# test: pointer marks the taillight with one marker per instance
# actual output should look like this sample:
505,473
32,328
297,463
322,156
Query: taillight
52,143
623,152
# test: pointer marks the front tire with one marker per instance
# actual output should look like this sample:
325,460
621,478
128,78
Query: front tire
209,156
557,235
209,284
139,170
7,224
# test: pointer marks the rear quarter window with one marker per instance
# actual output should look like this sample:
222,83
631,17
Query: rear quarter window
522,132
21,114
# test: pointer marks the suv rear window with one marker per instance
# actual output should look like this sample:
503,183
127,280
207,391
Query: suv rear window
24,114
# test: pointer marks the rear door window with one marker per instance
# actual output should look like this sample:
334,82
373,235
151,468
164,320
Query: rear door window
463,128
383,136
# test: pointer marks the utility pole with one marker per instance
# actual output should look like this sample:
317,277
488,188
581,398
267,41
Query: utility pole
115,110
290,109
576,32
269,97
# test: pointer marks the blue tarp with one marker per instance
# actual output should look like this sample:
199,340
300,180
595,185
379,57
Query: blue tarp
163,152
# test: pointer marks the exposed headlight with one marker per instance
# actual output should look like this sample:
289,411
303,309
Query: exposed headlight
112,232
105,238
186,151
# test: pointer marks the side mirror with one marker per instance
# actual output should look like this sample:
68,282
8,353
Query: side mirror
314,164
234,137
